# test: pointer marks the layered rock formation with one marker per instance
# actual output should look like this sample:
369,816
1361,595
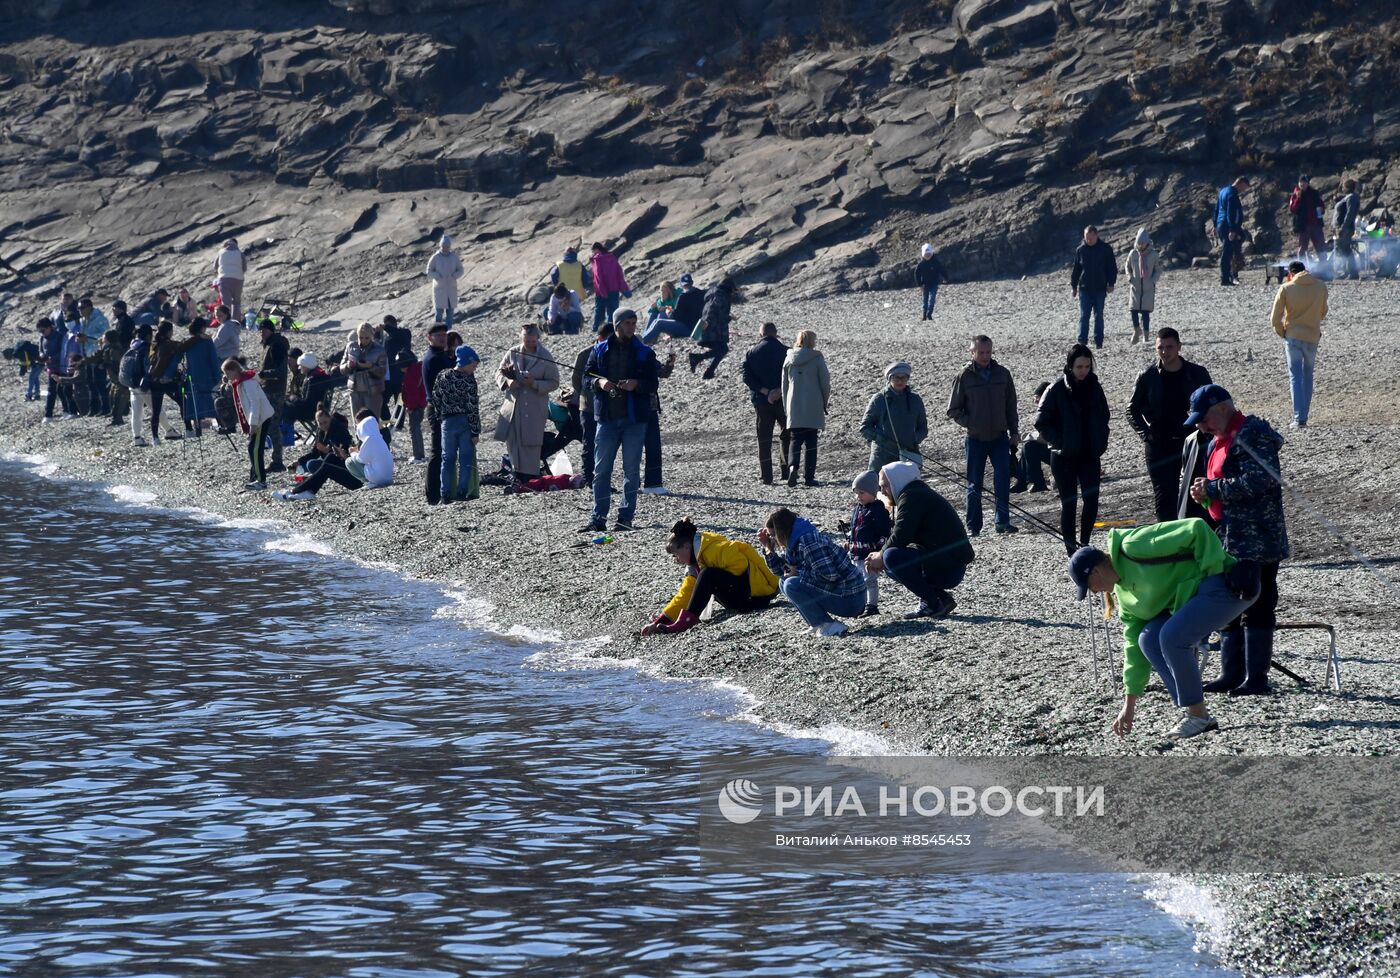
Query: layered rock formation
814,144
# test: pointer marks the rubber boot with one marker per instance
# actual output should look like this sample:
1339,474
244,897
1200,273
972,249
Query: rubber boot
1258,654
1232,643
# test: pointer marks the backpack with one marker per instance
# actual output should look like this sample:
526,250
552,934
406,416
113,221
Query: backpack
131,372
224,411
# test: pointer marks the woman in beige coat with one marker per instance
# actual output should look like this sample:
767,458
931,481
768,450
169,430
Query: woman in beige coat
526,375
806,396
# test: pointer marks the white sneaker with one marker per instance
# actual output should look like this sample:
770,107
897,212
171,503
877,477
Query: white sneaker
155,439
833,629
50,420
1190,726
70,417
656,491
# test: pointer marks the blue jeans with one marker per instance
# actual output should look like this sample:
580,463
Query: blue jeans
930,297
607,439
458,453
1302,357
603,308
817,607
1169,640
443,314
979,452
570,322
32,391
1091,302
669,327
1227,254
922,574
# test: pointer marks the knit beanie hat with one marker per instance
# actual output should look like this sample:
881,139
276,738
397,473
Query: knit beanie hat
898,367
926,250
867,482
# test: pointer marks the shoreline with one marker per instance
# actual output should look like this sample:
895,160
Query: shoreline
1007,675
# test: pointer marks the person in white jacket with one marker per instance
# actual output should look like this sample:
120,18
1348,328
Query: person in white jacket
445,268
230,267
254,416
372,465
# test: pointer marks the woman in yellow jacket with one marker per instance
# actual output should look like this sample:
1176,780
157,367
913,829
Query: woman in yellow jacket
730,571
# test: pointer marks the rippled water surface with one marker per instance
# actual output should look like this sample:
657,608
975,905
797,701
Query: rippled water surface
217,758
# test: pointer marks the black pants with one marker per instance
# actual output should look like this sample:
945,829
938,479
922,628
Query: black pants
159,392
63,392
1263,613
1073,478
1034,454
332,470
770,416
714,354
803,438
1164,471
257,463
95,375
731,590
432,484
590,429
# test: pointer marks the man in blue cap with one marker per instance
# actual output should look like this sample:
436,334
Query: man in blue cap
622,375
1173,584
457,407
1242,490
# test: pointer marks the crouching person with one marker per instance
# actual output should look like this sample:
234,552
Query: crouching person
818,578
730,571
1173,584
928,550
372,465
255,413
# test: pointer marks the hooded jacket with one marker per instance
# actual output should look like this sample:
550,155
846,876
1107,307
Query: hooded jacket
1299,308
571,272
444,268
374,455
734,556
713,326
820,563
1143,269
607,275
923,519
1151,583
1252,524
205,372
806,388
1073,417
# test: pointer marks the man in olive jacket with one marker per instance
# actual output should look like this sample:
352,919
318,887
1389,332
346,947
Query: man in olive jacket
928,551
984,403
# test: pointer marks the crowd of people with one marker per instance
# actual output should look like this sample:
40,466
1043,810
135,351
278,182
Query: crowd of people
1208,562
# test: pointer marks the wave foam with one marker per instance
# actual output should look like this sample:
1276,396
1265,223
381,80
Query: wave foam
300,543
40,464
1194,904
131,495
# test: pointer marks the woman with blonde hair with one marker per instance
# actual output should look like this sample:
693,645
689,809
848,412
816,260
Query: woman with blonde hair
806,394
366,363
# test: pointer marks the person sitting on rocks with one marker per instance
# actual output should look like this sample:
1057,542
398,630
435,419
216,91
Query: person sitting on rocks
818,578
1172,585
730,571
571,273
332,432
315,391
690,303
565,313
712,331
372,465
661,318
928,550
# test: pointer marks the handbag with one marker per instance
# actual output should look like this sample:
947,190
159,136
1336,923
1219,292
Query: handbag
904,454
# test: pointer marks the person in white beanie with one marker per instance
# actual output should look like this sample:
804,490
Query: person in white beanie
445,268
927,550
927,275
1143,269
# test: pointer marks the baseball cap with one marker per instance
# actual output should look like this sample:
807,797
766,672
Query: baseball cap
686,279
1202,400
1081,565
466,355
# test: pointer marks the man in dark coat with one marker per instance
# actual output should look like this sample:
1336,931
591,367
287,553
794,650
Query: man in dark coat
714,327
928,275
1306,206
273,377
763,376
1095,271
1229,226
1157,410
1243,491
435,360
928,550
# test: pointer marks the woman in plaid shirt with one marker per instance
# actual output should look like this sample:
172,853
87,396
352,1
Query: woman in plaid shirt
817,576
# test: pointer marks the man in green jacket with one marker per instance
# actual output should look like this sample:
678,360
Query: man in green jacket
1172,585
928,550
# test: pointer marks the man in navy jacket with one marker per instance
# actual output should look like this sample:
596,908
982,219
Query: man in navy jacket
1229,226
622,380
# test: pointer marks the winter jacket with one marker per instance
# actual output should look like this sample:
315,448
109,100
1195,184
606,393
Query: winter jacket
1229,212
434,362
870,528
315,387
1252,524
1300,307
227,339
734,556
398,351
373,454
1073,418
369,380
643,369
455,395
572,273
126,329
140,351
1348,210
111,359
274,369
205,372
1095,268
230,263
895,422
929,271
984,402
559,308
1150,582
1142,289
690,304
1307,209
444,268
763,368
185,310
1145,407
415,392
93,327
165,357
250,402
806,388
607,275
925,521
51,351
819,562
713,327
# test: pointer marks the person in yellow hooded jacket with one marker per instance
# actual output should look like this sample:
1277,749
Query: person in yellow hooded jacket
730,571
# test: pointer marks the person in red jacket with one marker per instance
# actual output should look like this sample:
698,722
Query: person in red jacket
609,284
414,397
1307,208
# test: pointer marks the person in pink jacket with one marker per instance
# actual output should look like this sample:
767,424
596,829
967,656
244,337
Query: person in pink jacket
609,285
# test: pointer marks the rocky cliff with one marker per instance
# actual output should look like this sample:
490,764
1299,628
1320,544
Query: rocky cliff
814,143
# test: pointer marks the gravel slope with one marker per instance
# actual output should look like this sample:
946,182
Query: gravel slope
1010,673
